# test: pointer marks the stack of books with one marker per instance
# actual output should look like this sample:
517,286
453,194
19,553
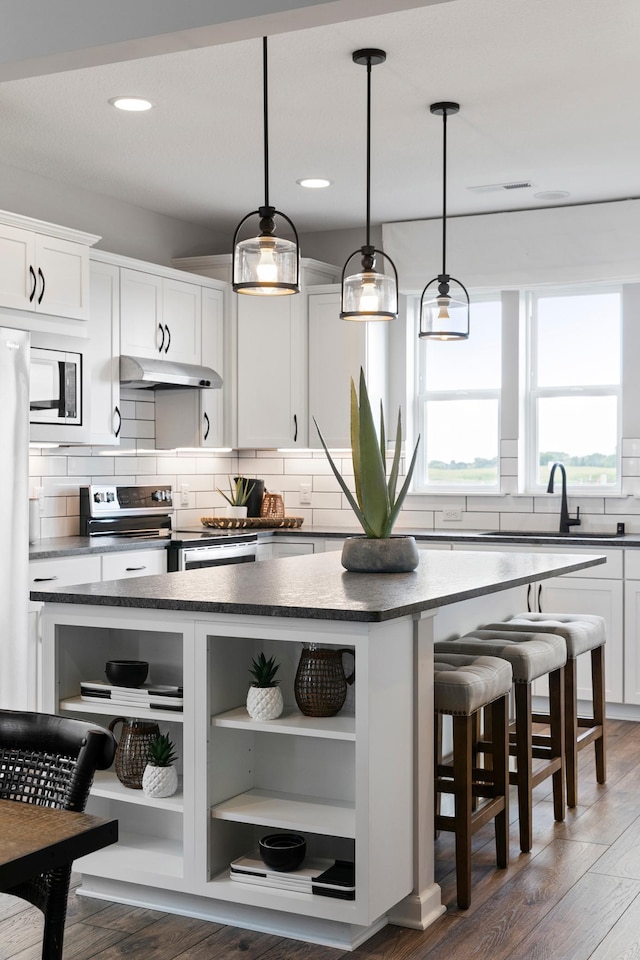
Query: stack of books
327,878
151,696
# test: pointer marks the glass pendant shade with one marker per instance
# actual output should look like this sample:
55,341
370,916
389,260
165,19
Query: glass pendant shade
265,265
444,310
368,294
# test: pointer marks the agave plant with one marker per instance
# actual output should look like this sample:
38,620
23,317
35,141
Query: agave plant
375,503
239,491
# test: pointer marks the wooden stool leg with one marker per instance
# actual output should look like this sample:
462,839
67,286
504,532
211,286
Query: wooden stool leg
524,761
500,756
463,779
556,720
571,731
597,684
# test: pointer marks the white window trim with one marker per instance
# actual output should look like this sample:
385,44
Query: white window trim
532,394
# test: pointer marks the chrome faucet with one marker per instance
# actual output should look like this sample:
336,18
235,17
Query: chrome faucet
565,520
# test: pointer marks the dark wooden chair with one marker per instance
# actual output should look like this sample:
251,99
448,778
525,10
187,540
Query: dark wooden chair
50,761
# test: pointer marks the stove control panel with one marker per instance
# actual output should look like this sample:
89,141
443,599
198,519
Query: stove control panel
111,500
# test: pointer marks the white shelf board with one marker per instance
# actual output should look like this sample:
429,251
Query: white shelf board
136,858
78,705
292,722
290,901
290,811
106,784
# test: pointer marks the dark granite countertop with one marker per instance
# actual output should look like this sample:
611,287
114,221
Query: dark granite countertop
318,587
73,546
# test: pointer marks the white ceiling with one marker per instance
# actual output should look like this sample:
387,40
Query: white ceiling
547,91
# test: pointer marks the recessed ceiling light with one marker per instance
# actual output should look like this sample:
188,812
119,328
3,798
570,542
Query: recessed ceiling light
552,195
314,183
132,104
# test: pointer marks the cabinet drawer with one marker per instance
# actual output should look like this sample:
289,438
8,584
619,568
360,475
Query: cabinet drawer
63,571
133,563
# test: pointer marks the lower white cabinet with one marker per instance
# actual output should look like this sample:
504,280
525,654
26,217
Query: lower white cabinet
133,563
291,548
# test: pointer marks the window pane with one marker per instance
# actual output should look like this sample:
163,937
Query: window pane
578,340
468,364
461,442
581,433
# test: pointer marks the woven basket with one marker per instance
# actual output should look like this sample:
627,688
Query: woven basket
272,506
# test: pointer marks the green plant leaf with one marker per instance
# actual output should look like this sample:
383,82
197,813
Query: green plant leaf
355,441
403,491
345,489
395,466
374,498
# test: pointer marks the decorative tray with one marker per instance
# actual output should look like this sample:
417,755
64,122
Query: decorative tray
267,523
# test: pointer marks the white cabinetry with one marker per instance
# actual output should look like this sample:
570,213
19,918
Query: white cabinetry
595,590
102,358
632,626
337,350
44,268
159,317
271,345
196,418
133,563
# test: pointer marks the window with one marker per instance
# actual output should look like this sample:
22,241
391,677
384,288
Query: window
574,389
458,406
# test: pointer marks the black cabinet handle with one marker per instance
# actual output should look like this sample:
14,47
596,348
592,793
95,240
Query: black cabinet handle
208,427
133,569
161,329
166,349
529,599
295,428
118,428
539,598
43,579
34,283
41,275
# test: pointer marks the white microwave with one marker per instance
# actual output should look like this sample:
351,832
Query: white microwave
55,387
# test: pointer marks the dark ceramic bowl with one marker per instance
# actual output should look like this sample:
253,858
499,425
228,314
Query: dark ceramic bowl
283,851
126,673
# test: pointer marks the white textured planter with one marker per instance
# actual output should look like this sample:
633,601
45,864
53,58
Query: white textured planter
237,513
264,703
159,781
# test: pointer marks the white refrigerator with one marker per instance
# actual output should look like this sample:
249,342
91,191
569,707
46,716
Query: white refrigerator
17,660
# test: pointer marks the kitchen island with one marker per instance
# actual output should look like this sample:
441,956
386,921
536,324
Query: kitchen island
358,785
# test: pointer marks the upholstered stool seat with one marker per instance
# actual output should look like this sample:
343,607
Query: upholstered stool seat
464,685
531,655
582,633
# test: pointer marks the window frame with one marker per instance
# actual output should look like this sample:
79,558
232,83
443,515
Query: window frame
533,393
422,397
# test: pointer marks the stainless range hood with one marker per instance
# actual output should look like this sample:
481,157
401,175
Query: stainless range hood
157,374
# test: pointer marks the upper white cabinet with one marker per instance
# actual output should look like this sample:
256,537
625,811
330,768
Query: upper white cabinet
195,418
102,358
44,268
159,317
271,347
337,350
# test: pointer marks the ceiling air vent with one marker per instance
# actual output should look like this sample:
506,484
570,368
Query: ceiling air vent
499,187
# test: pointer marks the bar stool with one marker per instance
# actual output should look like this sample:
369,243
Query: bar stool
464,685
531,655
582,633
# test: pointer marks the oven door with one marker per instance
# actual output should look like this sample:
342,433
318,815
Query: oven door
55,387
194,558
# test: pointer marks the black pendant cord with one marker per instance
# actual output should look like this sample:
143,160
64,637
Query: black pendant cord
266,121
368,151
444,193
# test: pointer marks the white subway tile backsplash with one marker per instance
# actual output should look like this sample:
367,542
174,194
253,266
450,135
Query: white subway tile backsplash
631,448
415,520
503,504
128,409
508,448
508,467
59,527
307,464
144,410
248,466
138,430
631,466
509,485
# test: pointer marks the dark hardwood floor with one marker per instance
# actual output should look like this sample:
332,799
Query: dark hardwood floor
575,896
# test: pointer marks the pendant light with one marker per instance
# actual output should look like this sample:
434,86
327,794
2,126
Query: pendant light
369,294
266,265
444,305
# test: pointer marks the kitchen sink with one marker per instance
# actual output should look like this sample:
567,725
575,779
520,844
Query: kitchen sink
548,534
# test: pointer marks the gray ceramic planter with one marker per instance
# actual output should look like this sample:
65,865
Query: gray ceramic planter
391,555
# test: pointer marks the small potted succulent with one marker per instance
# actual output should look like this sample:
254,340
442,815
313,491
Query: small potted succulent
239,492
160,777
375,503
264,699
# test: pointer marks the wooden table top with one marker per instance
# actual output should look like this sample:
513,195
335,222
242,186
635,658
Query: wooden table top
35,839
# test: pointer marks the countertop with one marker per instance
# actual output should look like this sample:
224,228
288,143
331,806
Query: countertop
318,587
74,546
